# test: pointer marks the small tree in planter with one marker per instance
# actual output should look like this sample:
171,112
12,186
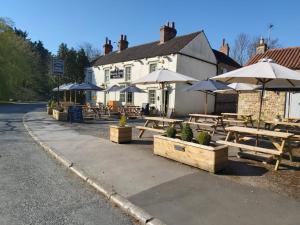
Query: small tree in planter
49,108
121,133
200,153
59,114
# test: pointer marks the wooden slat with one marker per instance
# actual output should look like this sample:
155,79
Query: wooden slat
283,123
205,116
262,132
250,148
161,119
236,114
234,121
150,129
201,124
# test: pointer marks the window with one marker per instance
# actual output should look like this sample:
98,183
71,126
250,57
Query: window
122,95
89,77
152,96
106,75
152,67
127,73
129,97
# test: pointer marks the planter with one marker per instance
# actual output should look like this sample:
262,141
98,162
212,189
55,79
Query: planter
120,134
209,158
61,116
49,110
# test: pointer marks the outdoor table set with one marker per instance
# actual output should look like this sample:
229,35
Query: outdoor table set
279,140
158,124
238,118
206,122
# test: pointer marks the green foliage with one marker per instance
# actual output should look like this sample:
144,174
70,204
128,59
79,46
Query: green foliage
49,103
171,132
53,104
187,133
60,109
204,138
123,121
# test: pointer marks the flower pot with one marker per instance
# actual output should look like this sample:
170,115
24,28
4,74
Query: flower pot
210,158
61,116
120,134
49,110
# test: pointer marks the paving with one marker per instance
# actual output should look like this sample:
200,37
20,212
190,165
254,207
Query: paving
35,189
245,193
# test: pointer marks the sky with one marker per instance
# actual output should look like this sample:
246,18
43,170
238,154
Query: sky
78,21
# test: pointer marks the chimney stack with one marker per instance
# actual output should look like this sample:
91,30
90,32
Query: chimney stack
123,43
262,47
224,47
167,32
107,47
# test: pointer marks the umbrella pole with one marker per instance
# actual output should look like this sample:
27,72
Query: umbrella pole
260,105
289,107
163,100
65,96
70,96
205,103
75,97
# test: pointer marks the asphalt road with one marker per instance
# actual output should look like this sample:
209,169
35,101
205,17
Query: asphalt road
34,189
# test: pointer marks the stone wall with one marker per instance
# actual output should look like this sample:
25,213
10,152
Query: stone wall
273,104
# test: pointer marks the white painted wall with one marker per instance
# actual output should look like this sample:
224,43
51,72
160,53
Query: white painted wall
183,102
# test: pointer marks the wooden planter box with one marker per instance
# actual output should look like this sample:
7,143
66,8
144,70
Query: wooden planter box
61,116
120,134
209,158
49,110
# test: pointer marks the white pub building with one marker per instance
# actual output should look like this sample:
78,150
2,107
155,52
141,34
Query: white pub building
189,54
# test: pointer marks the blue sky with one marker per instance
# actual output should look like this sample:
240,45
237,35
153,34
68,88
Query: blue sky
75,22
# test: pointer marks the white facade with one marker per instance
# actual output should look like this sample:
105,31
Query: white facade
196,59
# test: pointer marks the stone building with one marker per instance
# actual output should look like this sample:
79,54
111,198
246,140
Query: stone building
274,103
189,54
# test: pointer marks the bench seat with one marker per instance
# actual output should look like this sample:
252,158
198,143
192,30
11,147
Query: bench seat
234,121
201,124
250,148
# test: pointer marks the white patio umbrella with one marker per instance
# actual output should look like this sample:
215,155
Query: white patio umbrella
266,73
163,77
113,88
208,87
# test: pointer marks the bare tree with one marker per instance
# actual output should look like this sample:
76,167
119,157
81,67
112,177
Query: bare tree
245,47
91,51
240,48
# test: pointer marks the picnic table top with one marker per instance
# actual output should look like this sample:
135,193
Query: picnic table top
205,116
263,132
161,119
236,114
283,123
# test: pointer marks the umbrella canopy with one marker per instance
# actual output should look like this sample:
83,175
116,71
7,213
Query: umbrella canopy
207,86
243,86
267,73
132,89
86,87
164,76
113,88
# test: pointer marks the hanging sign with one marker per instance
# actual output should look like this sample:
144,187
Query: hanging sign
58,66
116,74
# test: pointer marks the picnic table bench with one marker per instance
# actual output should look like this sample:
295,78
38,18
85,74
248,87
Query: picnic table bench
285,126
237,118
280,141
158,124
206,122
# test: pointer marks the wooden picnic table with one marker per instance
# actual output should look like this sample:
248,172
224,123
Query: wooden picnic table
204,121
280,141
157,124
275,124
238,118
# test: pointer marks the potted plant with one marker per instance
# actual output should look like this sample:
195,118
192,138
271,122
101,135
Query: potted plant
200,152
121,133
59,114
49,109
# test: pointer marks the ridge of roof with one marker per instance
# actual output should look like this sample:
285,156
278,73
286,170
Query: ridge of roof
147,50
221,57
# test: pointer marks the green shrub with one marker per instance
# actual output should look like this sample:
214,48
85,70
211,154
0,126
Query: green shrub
53,105
171,132
60,109
49,103
204,138
123,121
187,133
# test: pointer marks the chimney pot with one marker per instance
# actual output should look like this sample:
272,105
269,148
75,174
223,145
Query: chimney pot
123,43
167,32
107,47
224,47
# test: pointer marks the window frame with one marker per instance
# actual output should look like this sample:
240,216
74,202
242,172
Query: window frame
106,76
152,98
126,74
150,65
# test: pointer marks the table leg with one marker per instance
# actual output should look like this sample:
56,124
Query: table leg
277,163
142,131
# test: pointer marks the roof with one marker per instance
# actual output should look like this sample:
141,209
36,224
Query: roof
288,57
222,58
146,50
153,49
